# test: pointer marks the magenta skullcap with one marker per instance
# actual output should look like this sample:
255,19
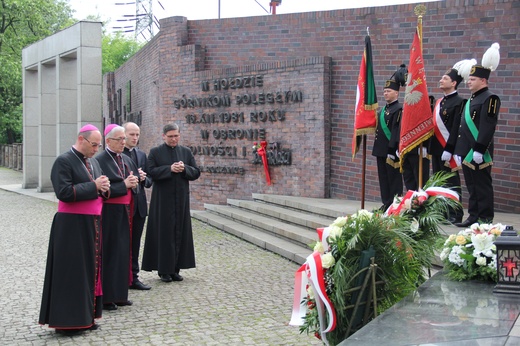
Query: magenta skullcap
88,127
109,128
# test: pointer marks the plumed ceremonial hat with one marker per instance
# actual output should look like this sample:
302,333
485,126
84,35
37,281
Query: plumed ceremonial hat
490,61
454,75
398,79
464,67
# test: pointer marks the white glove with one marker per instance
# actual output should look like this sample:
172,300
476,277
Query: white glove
390,156
458,160
445,156
477,157
424,152
397,154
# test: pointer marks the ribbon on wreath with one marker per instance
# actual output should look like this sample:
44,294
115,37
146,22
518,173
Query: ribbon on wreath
323,234
262,151
422,196
311,273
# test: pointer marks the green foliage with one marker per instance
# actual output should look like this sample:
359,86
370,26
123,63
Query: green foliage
404,245
117,49
22,22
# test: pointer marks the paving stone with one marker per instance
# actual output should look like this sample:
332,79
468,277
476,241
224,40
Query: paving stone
239,294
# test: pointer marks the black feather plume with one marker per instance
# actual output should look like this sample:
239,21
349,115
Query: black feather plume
400,75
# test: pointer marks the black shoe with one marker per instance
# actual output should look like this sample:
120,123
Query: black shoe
455,220
110,306
176,277
127,303
69,332
466,223
166,278
95,326
138,285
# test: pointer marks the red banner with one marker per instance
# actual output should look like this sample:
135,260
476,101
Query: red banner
366,100
417,119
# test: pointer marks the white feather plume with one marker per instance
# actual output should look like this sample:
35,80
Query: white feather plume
464,67
491,57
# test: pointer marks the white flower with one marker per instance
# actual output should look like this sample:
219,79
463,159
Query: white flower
444,253
454,255
310,292
335,231
481,261
475,227
482,243
414,225
319,247
493,263
327,260
363,213
340,221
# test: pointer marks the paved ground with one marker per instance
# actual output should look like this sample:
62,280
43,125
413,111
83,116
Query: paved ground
237,295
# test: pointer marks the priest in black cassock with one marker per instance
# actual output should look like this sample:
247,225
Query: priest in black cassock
71,298
168,245
117,216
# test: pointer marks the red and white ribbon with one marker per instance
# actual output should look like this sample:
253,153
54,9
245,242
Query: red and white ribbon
323,234
421,195
314,276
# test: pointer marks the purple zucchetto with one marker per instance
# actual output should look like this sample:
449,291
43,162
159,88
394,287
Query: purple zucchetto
109,128
88,127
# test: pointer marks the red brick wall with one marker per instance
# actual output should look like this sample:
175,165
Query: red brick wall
186,52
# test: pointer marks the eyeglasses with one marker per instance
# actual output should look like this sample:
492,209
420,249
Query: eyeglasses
94,145
120,139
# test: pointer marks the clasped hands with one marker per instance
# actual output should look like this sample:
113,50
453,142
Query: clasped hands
177,167
131,181
102,183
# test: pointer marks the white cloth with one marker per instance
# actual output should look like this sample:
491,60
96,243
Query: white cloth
458,160
446,156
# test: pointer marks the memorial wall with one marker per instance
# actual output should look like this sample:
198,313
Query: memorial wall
285,86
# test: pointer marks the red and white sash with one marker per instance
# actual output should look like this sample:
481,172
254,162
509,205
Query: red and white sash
441,132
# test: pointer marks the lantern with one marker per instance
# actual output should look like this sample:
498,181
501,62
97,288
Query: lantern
508,262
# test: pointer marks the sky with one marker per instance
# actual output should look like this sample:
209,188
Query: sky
209,9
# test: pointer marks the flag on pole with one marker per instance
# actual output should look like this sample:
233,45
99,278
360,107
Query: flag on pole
366,99
417,119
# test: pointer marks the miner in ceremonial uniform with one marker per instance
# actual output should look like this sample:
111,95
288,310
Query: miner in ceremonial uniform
446,121
386,140
475,143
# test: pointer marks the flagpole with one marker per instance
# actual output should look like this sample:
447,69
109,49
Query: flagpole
364,169
419,11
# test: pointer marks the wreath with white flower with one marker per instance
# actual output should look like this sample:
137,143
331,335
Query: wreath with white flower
404,245
471,253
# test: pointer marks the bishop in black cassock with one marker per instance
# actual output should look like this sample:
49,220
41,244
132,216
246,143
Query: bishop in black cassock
71,298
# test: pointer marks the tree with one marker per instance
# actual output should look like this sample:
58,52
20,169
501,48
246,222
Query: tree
22,22
117,49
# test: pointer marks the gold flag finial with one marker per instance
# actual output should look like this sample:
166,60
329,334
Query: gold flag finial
419,10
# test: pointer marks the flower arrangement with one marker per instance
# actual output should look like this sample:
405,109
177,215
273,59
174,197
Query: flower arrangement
403,240
471,253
